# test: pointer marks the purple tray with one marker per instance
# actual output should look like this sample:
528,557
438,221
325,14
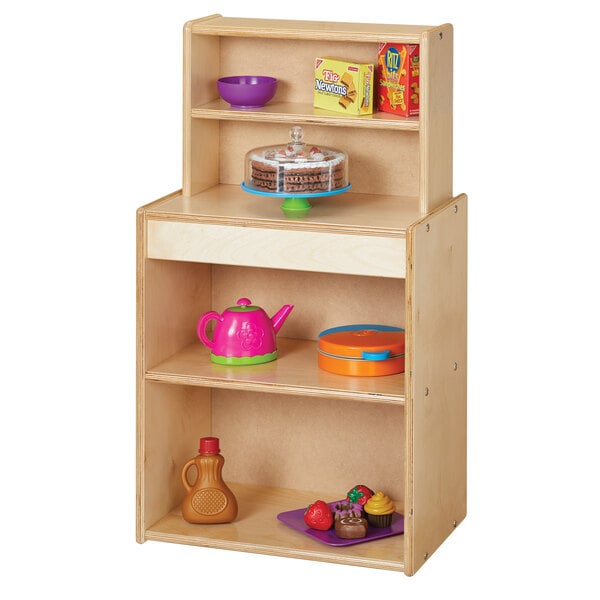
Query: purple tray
295,520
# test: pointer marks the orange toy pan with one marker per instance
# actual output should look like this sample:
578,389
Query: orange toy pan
362,350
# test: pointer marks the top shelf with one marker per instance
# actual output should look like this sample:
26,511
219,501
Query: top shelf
308,30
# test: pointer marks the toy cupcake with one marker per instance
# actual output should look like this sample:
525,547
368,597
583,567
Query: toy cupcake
379,510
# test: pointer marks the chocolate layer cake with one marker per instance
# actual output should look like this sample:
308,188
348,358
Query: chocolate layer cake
298,172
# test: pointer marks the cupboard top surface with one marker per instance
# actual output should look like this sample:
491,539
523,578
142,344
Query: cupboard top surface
367,32
368,214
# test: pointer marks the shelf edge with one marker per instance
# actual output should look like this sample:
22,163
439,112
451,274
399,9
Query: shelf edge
209,111
219,25
273,389
282,551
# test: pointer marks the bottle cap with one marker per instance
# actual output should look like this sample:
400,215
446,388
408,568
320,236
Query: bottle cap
209,445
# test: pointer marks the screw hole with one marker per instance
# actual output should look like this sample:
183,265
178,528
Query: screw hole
455,366
426,556
454,523
456,208
427,228
441,34
427,391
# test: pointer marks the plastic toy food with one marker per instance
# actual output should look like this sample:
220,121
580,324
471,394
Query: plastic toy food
345,509
344,522
296,170
351,528
244,334
319,516
359,494
208,500
379,509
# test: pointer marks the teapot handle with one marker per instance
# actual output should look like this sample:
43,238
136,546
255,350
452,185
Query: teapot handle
201,329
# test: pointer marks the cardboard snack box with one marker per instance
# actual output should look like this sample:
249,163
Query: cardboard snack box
398,79
344,86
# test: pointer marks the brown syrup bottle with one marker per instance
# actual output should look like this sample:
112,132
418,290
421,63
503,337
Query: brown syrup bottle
208,500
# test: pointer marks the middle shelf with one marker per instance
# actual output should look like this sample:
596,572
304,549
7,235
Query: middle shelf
303,113
294,372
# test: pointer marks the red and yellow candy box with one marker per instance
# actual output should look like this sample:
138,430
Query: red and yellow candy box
362,350
398,79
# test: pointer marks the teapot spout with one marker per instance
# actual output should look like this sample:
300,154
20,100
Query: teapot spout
280,316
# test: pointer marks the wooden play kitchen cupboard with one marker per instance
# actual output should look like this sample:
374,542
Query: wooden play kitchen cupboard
392,251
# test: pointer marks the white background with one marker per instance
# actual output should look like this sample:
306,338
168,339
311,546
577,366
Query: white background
91,129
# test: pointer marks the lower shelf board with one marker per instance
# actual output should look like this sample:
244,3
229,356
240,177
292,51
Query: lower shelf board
294,372
257,530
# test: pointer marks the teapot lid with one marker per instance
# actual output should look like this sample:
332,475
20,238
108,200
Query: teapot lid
244,305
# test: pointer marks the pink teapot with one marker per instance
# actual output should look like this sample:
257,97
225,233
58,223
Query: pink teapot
244,334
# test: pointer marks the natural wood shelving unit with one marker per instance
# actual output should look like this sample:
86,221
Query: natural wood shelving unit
393,251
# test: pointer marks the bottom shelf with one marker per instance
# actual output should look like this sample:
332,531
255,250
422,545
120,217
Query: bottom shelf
257,530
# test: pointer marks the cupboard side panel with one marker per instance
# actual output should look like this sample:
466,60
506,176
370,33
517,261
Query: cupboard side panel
200,138
140,370
436,402
175,417
170,298
176,294
436,118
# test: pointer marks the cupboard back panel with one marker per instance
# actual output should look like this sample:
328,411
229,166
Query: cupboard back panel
321,300
381,162
326,445
291,62
178,293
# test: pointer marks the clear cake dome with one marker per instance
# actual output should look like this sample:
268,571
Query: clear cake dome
296,168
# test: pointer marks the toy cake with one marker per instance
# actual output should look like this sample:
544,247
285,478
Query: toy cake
351,528
351,517
297,168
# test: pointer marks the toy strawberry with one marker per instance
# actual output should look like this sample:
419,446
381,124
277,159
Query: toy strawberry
359,494
319,516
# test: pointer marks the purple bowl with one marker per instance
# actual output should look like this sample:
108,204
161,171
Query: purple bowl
247,91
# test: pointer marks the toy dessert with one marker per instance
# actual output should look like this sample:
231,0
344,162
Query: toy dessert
347,521
351,528
379,510
296,170
345,509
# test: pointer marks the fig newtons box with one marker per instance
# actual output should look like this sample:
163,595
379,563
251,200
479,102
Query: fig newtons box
344,86
398,79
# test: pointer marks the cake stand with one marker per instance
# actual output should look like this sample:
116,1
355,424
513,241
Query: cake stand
294,206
